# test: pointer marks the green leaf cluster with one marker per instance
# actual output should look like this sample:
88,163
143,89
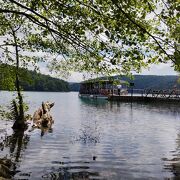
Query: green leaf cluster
101,37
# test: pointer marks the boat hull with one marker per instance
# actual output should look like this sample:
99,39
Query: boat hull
93,96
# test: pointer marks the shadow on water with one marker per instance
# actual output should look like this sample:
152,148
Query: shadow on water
66,170
13,145
173,164
17,143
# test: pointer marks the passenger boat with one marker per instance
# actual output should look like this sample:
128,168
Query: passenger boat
102,89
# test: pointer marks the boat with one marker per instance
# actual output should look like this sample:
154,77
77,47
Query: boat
102,88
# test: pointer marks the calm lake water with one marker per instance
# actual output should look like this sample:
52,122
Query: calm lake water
95,139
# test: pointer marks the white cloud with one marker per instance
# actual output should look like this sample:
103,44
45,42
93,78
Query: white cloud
160,69
75,77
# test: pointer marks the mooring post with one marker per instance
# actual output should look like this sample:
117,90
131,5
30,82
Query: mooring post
131,85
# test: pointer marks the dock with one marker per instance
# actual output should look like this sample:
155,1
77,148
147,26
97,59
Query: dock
148,95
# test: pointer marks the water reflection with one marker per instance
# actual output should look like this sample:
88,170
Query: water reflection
94,102
66,170
17,143
44,130
156,107
13,145
164,107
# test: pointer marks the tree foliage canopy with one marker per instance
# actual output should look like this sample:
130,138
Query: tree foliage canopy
107,37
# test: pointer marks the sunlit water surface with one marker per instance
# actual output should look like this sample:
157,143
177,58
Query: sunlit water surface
95,139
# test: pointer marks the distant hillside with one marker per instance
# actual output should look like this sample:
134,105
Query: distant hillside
74,86
33,81
144,82
155,82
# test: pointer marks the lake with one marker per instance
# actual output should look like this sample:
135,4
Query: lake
95,139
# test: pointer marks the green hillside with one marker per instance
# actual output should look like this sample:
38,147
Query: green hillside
153,81
32,81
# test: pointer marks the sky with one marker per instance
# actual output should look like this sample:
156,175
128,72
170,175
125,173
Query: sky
160,69
154,69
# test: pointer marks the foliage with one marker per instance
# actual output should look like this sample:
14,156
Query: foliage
3,113
11,112
106,37
7,77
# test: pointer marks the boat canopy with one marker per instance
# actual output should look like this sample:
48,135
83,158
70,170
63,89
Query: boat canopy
102,86
104,81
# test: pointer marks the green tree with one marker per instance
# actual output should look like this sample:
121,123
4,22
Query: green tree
14,32
112,36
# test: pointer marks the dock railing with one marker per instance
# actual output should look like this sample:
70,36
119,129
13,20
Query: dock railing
158,93
137,91
154,93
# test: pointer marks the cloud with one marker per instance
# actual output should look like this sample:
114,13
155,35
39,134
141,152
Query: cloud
160,69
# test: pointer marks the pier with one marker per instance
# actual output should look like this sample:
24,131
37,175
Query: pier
148,95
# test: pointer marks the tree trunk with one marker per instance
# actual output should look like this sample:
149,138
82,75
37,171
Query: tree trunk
20,121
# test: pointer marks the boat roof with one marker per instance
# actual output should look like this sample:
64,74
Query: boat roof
97,80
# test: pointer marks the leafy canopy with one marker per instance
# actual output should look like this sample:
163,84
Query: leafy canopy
97,36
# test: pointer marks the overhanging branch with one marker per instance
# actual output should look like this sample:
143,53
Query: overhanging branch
142,29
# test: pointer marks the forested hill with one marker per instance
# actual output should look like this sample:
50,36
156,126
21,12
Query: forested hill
145,82
33,81
154,82
42,82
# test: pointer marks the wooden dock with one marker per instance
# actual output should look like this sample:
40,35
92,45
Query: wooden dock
148,95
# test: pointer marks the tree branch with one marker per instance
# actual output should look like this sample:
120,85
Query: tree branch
141,28
70,40
68,36
8,51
